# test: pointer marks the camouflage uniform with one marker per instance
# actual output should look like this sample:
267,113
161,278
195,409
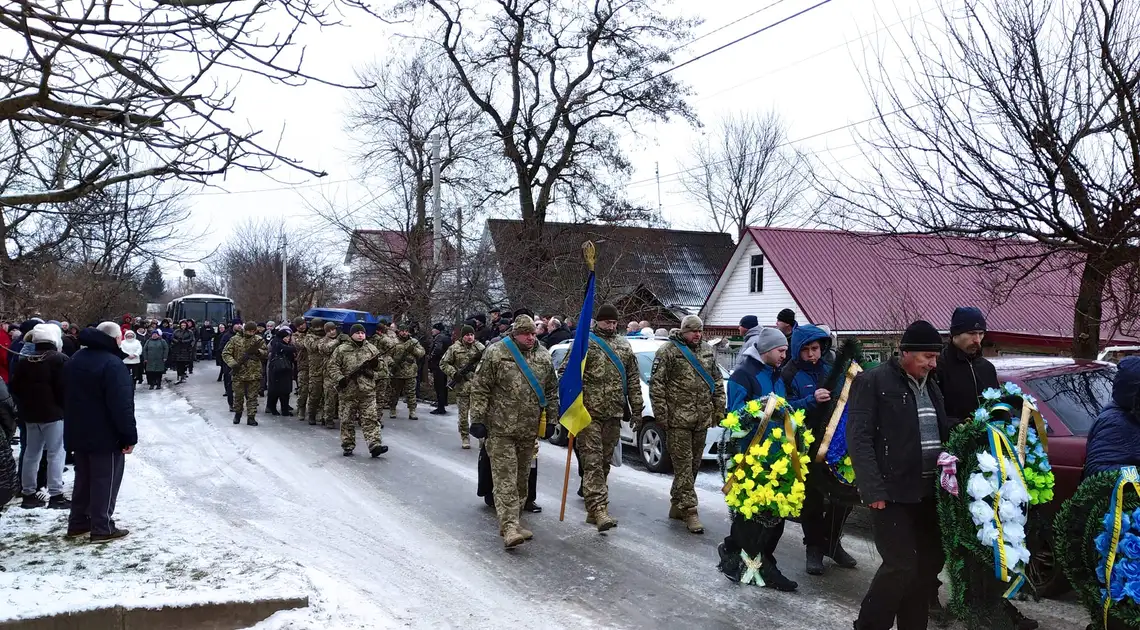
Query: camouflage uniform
332,396
683,404
358,398
318,363
404,367
503,401
605,398
384,342
301,343
247,376
456,358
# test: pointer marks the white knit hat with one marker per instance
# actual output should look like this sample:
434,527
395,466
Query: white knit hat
48,333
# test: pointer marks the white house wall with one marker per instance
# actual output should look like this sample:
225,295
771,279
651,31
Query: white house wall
731,300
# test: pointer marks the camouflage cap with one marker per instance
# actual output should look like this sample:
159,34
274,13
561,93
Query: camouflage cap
523,325
316,324
691,323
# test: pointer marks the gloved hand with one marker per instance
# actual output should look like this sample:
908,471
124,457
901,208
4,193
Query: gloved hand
342,383
549,433
478,431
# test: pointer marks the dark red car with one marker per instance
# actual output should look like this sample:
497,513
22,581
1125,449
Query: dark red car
1070,393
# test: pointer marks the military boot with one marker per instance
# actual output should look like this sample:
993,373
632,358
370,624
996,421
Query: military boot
237,417
251,422
526,533
466,443
603,519
675,512
693,523
512,537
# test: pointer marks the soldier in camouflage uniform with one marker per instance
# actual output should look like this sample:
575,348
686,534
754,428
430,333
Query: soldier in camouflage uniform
505,409
318,363
457,358
684,403
327,347
244,354
404,367
605,397
384,340
355,379
300,342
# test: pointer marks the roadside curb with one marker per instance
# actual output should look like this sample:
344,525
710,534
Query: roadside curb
206,616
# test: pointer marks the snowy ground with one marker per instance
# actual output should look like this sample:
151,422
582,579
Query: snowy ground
402,541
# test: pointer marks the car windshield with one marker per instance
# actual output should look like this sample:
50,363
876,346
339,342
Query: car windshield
1076,397
644,362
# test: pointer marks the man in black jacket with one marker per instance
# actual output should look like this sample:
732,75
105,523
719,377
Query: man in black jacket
895,429
38,387
558,333
440,342
962,375
99,426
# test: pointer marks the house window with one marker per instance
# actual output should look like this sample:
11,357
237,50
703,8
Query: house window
756,274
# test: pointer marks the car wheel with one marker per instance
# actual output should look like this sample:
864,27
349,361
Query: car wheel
652,448
560,437
1043,572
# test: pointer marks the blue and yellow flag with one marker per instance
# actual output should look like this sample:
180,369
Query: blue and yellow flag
573,414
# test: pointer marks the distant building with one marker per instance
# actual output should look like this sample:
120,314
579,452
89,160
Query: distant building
648,273
383,270
870,286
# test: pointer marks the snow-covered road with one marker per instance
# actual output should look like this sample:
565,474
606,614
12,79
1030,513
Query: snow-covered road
407,534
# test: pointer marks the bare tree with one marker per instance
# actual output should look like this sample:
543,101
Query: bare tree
1018,119
555,81
250,263
744,173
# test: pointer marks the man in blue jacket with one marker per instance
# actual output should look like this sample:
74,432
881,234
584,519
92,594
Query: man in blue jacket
1114,441
99,426
757,376
822,521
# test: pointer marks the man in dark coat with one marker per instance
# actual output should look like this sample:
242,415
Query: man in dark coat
1114,441
99,427
440,342
38,386
558,333
182,349
896,426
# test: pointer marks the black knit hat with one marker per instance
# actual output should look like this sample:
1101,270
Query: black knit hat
751,321
967,319
357,328
468,330
921,336
438,326
607,313
788,316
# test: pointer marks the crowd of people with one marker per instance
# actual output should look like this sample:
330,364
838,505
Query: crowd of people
70,393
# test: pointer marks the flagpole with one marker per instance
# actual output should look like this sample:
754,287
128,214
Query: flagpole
588,253
566,478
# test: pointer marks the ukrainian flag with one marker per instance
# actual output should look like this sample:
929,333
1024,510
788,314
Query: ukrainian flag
573,414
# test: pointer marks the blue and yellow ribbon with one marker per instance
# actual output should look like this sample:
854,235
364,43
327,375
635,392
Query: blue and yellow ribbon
1128,477
1000,448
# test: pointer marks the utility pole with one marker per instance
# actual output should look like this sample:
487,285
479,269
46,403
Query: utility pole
657,174
437,235
284,284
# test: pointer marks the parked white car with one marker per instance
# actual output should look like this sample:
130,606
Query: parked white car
650,440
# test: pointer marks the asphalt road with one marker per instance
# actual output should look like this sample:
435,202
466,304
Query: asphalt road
408,531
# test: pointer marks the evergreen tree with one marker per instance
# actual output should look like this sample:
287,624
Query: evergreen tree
153,285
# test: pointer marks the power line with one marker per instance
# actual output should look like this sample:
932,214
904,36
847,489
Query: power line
263,190
721,28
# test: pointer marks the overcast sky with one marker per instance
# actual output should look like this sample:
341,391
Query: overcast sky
810,69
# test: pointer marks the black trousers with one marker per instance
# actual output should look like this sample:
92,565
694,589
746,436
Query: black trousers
154,378
274,397
821,519
137,372
440,381
228,383
97,480
908,538
182,367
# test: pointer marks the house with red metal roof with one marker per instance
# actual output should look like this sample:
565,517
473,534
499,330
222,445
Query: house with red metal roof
870,286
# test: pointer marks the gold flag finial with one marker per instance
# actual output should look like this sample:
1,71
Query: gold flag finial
588,253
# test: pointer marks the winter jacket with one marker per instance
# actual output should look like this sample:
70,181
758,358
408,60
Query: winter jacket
156,352
962,381
222,340
404,356
457,357
801,378
1114,440
100,405
557,336
347,360
502,397
70,345
182,346
249,350
883,435
131,346
167,333
680,396
753,380
38,385
750,339
282,362
439,345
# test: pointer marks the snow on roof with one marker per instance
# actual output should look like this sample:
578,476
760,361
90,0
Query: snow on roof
203,296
